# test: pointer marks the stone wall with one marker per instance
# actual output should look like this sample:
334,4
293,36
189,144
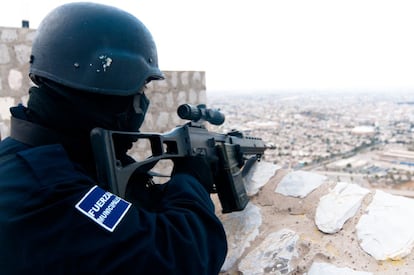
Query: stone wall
15,46
304,223
166,95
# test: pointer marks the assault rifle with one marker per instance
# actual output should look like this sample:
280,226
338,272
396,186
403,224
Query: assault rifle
233,154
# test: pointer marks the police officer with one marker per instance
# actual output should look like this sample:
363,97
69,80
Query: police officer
90,63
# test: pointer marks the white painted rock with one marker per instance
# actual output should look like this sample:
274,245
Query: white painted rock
299,183
273,255
259,175
386,230
329,269
339,205
241,229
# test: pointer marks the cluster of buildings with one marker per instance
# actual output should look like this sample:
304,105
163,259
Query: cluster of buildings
355,136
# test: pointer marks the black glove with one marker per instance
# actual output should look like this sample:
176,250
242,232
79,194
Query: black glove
142,192
199,168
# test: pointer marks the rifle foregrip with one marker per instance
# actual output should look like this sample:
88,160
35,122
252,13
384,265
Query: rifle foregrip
230,183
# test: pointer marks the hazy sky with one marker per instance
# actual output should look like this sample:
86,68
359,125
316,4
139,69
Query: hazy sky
271,44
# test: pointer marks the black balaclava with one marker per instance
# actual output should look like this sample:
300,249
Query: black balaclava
72,114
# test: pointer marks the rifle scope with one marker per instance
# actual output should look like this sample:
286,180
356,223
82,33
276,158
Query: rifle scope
200,112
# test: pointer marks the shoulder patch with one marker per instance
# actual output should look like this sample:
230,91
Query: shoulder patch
104,208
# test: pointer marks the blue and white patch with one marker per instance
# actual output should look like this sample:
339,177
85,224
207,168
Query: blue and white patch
103,207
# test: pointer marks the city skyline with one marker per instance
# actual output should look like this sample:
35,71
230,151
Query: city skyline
368,139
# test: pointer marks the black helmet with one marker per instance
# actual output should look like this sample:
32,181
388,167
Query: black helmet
95,48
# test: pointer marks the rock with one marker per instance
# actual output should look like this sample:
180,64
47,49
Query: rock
241,229
299,183
259,175
335,208
386,230
329,269
273,255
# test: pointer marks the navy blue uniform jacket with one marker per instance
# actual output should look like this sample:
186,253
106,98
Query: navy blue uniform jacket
42,232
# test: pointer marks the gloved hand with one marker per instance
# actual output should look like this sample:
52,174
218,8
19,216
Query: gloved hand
199,168
142,192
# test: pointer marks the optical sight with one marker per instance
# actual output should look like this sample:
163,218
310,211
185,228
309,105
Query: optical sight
200,112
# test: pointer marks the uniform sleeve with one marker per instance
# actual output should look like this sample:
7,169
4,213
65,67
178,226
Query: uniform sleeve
183,237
